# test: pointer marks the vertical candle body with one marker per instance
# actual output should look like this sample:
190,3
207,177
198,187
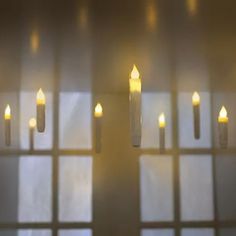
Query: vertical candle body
41,117
223,134
31,138
135,118
98,134
162,139
196,120
7,132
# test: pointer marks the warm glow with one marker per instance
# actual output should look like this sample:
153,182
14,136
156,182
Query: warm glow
162,120
98,110
32,123
34,41
41,100
223,116
135,82
7,115
151,16
192,7
195,99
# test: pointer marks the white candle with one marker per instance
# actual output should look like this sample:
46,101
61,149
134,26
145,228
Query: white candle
196,114
135,106
98,113
223,127
162,125
7,118
32,125
41,102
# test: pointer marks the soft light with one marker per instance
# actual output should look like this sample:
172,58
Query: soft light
135,82
32,123
98,110
223,116
34,41
7,114
162,120
195,99
41,100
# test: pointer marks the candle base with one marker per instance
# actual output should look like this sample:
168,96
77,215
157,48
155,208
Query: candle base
8,132
162,139
196,117
98,134
223,135
41,118
31,139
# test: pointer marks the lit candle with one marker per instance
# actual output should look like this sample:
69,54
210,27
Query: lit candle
196,114
162,125
135,88
7,118
32,125
98,113
223,127
41,101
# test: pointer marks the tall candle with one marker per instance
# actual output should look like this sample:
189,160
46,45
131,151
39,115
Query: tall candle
7,118
162,125
223,127
196,114
41,102
135,106
98,113
32,125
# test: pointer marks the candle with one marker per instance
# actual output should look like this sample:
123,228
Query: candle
7,118
135,106
32,125
223,127
41,101
98,113
196,114
162,125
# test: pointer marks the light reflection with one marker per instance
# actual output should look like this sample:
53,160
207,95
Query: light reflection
151,16
83,18
192,7
34,41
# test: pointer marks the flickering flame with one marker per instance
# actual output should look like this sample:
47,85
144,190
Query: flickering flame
135,82
41,100
134,73
223,115
98,110
7,114
32,123
162,120
195,99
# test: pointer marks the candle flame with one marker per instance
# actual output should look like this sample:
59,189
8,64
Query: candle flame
41,100
134,73
162,120
7,113
195,99
223,115
32,123
135,82
98,110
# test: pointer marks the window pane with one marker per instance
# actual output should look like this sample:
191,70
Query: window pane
226,192
9,189
196,187
27,111
75,120
157,232
228,232
75,189
156,188
35,189
79,232
186,133
25,232
197,232
152,105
